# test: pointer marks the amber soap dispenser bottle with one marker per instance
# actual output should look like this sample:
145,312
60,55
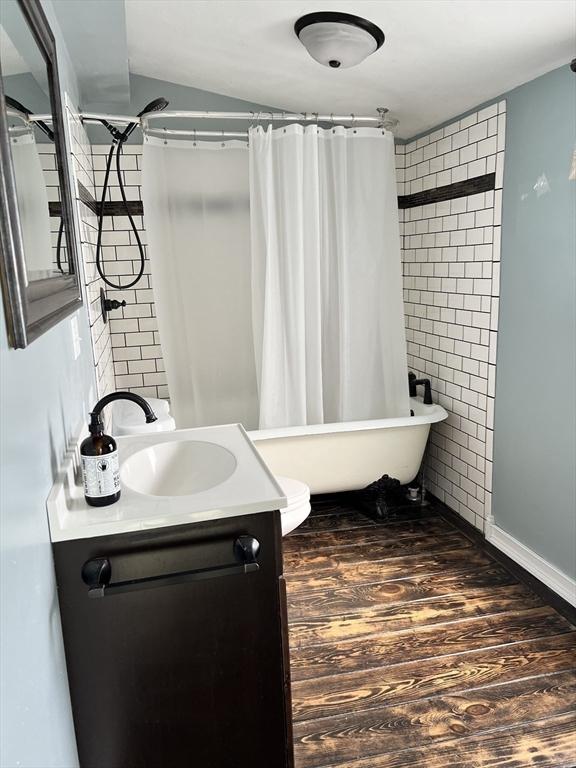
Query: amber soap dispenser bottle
100,468
99,453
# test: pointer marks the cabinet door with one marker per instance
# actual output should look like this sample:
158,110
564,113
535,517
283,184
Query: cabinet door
179,660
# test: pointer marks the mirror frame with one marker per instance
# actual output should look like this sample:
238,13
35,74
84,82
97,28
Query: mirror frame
31,309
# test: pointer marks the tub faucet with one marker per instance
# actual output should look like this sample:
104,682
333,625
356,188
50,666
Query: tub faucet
413,382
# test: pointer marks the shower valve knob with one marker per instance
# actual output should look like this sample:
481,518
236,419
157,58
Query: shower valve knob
107,305
114,304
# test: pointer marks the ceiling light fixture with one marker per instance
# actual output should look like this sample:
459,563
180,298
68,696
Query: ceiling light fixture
338,40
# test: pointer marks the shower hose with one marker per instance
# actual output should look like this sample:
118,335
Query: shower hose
116,150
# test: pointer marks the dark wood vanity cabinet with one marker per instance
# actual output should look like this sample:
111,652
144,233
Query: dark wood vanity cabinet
176,646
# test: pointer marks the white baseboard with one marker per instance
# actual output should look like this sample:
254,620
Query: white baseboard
547,573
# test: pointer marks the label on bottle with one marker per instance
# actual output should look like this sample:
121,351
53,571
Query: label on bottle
101,475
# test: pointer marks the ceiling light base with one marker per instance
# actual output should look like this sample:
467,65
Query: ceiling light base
338,40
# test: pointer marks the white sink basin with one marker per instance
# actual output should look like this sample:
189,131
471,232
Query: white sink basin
177,468
170,478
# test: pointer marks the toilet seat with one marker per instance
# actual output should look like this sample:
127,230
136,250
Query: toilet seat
298,509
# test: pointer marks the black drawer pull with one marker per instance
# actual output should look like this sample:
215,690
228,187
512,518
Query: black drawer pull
97,573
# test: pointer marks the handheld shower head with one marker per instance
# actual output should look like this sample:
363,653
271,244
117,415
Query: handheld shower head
21,108
120,136
16,105
154,106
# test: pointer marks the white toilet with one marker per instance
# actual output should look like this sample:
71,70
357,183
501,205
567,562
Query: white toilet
127,419
298,509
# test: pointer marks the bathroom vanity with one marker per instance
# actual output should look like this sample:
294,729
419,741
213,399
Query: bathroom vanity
173,608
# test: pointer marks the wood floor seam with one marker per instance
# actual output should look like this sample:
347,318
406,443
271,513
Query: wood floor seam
457,573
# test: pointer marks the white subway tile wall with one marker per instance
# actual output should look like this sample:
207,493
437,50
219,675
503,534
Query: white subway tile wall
136,350
83,171
451,264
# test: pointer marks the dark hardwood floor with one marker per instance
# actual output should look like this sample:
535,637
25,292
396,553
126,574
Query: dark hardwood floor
411,646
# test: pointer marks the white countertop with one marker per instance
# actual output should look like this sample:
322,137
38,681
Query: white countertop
251,488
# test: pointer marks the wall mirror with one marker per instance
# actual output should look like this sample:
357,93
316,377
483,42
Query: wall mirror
38,260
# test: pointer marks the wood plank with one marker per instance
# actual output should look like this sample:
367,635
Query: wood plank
547,743
425,642
366,536
458,560
347,599
430,721
436,610
419,544
326,696
340,520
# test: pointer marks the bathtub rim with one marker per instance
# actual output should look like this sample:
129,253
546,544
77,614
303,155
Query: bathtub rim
423,414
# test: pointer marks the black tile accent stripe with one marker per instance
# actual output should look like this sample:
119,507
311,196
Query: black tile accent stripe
473,186
87,198
111,208
119,208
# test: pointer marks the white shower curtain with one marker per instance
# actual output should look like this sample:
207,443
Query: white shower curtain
33,206
197,211
328,313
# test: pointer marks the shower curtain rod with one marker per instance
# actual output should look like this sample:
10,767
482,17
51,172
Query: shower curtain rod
160,132
256,117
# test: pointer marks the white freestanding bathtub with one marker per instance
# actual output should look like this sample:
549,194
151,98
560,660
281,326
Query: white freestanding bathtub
349,456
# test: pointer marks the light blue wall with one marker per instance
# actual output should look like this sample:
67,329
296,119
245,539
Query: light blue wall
534,494
95,33
45,395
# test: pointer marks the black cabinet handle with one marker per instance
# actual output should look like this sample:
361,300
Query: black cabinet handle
97,573
246,549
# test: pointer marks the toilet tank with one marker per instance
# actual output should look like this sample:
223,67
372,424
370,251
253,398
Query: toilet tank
127,418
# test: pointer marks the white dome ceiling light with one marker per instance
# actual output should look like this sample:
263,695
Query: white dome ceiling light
338,40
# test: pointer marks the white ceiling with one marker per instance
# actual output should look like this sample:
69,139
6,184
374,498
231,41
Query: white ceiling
440,57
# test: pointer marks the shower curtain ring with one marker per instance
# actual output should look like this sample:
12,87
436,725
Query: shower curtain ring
194,142
353,118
